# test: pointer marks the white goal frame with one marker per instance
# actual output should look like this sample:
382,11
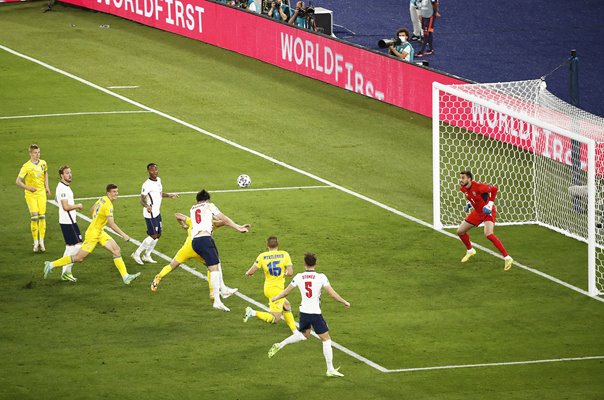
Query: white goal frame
437,89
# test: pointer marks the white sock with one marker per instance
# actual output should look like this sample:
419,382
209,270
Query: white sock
223,287
41,241
253,313
68,252
470,250
215,279
151,246
36,242
507,257
297,336
328,353
144,245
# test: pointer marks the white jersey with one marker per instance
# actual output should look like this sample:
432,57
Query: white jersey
152,191
64,192
201,217
310,284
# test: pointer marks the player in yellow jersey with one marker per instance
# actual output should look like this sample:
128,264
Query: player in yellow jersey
276,265
33,178
102,214
187,253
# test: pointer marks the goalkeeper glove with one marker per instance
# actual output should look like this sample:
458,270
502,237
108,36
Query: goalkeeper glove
488,208
468,207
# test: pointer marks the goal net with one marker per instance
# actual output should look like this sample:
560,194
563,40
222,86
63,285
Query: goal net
546,157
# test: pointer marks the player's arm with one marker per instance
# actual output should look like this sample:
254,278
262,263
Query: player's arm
21,183
69,207
336,296
491,191
284,293
216,223
182,220
111,223
170,195
229,222
289,270
46,182
143,201
252,270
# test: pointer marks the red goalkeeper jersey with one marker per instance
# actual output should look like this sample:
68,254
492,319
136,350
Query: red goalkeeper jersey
479,194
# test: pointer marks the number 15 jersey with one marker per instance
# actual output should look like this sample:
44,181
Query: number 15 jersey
274,263
310,284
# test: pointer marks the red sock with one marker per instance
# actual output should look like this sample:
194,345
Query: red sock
465,238
498,244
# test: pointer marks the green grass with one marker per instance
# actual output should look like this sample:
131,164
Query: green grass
413,304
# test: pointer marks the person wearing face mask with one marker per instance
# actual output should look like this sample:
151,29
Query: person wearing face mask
279,10
402,48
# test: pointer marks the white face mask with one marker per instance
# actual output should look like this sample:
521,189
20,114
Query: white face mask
403,39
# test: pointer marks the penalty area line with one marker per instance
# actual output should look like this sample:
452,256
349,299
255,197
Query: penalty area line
290,167
77,113
226,191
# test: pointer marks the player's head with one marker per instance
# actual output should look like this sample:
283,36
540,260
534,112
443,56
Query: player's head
465,178
34,152
202,195
310,260
112,191
152,170
272,243
65,174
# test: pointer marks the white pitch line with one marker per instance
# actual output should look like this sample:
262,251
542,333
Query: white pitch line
291,167
76,113
239,294
225,191
122,87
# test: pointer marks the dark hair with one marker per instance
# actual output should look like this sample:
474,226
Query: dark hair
63,168
33,147
150,165
110,187
310,259
203,195
467,173
403,30
272,242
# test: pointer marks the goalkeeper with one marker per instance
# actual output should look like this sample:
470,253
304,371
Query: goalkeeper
481,198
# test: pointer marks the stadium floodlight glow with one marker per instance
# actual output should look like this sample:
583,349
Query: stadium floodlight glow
519,136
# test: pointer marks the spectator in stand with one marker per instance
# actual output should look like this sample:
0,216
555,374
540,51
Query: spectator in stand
402,48
302,17
415,20
428,11
279,10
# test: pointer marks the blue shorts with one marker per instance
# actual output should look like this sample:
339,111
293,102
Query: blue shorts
315,321
71,234
205,247
153,225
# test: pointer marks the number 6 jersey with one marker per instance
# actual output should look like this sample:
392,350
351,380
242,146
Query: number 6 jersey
310,284
201,218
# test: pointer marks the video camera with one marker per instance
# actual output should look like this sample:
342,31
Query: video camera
385,43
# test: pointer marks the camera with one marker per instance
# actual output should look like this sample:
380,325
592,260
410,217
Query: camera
305,12
384,43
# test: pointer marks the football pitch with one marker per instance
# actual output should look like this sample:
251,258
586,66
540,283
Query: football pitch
334,173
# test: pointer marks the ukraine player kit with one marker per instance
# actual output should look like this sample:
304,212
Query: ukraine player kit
33,174
69,227
152,191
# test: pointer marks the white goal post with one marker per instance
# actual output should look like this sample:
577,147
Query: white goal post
546,157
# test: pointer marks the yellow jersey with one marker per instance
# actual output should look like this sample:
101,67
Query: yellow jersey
274,263
103,209
33,175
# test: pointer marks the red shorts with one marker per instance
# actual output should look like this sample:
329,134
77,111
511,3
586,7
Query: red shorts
476,218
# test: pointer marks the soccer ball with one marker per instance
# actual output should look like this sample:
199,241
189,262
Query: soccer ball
244,181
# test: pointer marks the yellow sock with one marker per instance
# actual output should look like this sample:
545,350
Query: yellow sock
119,264
42,226
34,227
266,317
63,261
289,320
165,271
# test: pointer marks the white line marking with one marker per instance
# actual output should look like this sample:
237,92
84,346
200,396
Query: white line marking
290,167
122,87
77,113
497,364
225,191
239,294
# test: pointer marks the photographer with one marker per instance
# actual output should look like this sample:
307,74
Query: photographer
401,47
246,4
303,17
279,10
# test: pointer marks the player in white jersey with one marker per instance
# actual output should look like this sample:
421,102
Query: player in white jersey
151,197
311,283
203,244
68,219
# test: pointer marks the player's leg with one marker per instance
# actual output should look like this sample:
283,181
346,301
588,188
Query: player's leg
462,232
297,336
288,316
184,254
157,226
42,221
275,308
111,245
69,259
32,205
146,243
206,248
73,244
489,228
225,291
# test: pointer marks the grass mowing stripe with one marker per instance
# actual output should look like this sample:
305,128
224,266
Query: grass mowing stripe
240,295
76,113
226,191
285,165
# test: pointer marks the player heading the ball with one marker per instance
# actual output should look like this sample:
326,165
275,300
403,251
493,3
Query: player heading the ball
480,197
